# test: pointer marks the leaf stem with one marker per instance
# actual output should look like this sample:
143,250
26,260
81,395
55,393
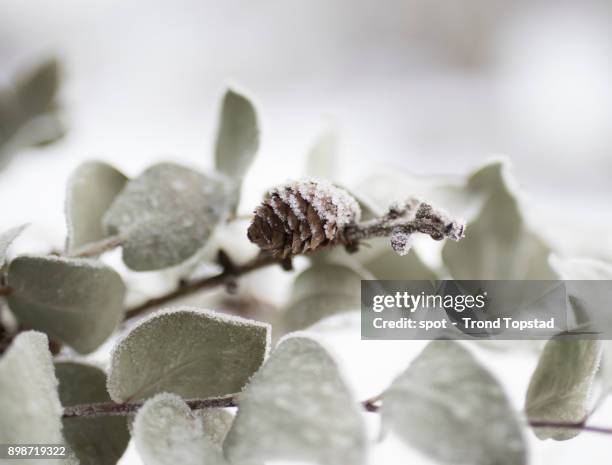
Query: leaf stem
578,425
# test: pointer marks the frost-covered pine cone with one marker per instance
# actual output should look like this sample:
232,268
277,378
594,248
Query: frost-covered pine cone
302,216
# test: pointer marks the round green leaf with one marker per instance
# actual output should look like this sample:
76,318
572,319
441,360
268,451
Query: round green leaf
186,351
167,432
497,244
590,305
297,407
101,440
79,302
322,159
450,408
237,137
91,189
167,214
560,386
29,402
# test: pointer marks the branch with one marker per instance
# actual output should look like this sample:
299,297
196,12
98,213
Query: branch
370,405
114,409
229,273
406,218
96,248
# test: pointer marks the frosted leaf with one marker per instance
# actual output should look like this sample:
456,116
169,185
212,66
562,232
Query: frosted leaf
449,407
401,243
167,214
497,244
560,386
91,189
30,406
297,407
187,351
587,302
6,239
167,432
77,301
322,290
237,137
99,440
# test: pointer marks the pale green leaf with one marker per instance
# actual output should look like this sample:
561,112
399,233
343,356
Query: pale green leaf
167,214
101,440
28,110
167,432
560,386
91,189
36,91
498,244
29,402
322,159
77,301
591,304
386,264
237,137
6,239
449,407
297,407
322,290
186,351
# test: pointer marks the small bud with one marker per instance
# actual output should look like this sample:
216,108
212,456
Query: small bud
401,242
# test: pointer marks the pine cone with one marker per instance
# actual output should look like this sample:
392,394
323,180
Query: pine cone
302,216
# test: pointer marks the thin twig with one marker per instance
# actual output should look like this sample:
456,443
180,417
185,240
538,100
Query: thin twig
185,289
96,248
114,409
370,405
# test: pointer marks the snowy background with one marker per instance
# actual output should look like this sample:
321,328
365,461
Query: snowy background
428,85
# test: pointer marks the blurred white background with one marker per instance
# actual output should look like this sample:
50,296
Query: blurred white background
429,85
